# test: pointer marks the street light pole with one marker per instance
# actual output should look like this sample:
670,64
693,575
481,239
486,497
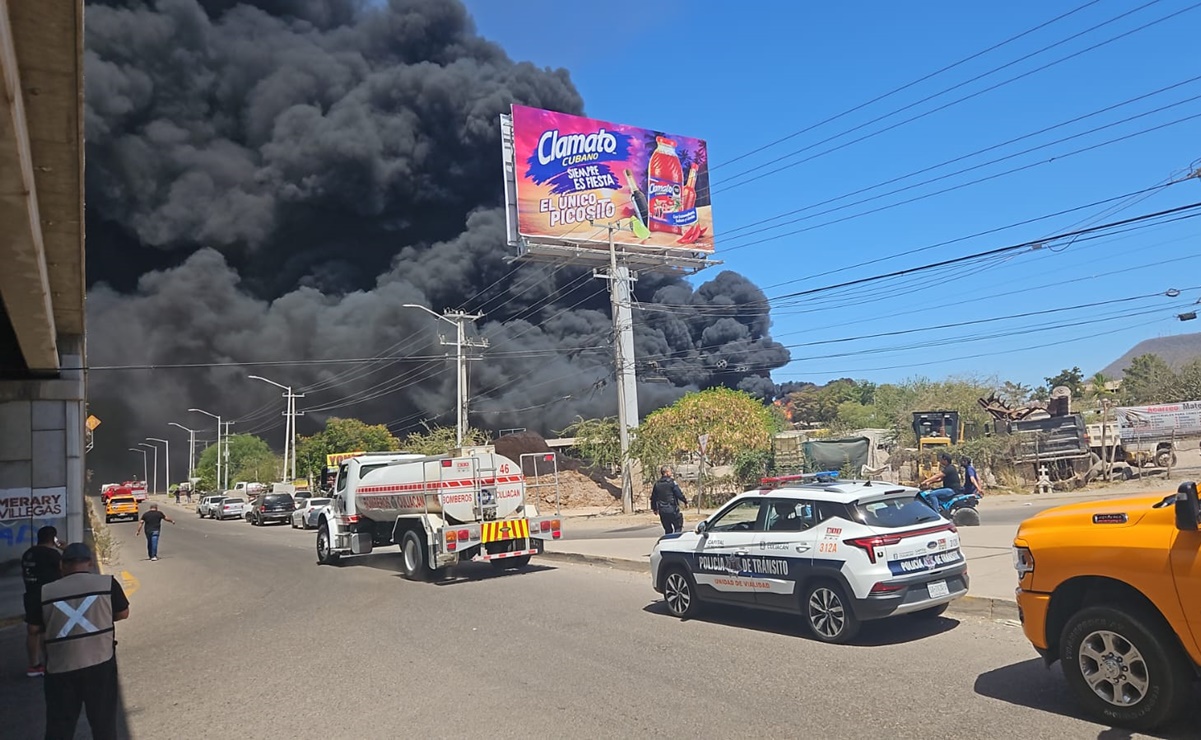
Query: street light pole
167,458
290,425
154,487
459,320
191,447
218,418
135,449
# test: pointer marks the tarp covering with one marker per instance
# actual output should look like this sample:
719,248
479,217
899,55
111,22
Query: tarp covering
834,454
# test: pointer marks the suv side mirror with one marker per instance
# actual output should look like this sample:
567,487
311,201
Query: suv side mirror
1186,507
702,526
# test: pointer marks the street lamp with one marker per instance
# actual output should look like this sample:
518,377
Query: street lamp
167,458
289,426
458,319
191,447
154,487
135,449
218,418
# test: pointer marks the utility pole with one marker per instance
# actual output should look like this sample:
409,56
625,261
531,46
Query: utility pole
228,424
289,426
459,319
620,280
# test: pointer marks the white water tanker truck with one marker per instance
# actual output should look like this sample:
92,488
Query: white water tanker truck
469,505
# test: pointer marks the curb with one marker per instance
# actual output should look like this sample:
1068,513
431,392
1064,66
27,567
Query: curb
987,607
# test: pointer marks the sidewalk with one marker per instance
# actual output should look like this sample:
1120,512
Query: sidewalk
987,549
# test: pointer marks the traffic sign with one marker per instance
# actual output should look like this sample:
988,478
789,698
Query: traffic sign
92,423
704,440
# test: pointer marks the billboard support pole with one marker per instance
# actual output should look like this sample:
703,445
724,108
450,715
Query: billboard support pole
623,355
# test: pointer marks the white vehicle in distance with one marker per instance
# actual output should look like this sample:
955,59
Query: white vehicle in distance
837,553
228,507
205,507
305,516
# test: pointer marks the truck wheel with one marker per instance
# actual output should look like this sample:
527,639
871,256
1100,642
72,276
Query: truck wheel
1125,666
325,555
412,551
966,517
828,613
1164,458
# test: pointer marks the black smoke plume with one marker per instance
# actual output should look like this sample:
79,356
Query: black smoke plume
273,180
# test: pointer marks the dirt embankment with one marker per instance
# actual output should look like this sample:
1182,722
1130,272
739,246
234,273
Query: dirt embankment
579,486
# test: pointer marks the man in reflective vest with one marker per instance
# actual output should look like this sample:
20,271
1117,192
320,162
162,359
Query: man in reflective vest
78,612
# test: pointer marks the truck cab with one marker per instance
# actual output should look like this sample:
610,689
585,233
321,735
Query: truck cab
469,505
1113,590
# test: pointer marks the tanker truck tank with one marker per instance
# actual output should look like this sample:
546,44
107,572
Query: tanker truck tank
479,486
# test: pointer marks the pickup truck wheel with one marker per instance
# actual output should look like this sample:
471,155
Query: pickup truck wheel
828,613
412,552
1164,458
324,554
1125,666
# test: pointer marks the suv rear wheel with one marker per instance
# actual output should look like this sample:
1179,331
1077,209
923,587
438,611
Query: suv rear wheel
828,613
1125,666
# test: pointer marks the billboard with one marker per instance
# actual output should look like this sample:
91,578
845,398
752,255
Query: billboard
576,177
1138,422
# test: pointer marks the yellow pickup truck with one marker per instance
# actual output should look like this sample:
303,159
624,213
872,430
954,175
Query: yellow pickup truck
121,507
1112,589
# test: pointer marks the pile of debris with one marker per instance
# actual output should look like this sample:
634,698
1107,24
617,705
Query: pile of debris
579,486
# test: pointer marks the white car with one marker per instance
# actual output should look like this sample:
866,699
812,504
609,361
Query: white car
837,553
205,507
306,512
228,507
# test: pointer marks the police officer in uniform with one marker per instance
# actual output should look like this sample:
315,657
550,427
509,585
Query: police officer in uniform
78,612
664,498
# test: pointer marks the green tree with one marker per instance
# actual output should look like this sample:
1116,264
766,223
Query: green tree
441,440
598,440
1148,379
1188,382
1015,394
250,459
736,422
1073,379
342,435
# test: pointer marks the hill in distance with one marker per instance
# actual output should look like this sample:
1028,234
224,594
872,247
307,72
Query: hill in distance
1175,350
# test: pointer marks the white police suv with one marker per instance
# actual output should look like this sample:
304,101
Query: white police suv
839,553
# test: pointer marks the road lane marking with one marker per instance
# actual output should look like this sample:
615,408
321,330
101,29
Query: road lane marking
129,583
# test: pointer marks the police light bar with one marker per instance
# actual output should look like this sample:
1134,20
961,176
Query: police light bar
822,477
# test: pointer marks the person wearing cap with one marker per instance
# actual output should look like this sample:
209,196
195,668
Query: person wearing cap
78,612
40,565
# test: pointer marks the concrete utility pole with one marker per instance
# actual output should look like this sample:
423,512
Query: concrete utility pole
459,319
225,455
144,471
154,487
167,458
218,418
289,426
620,287
191,447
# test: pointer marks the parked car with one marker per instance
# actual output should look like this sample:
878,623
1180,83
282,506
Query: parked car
205,507
273,507
121,507
228,507
307,509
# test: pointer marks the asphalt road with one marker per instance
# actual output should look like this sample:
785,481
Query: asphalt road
237,633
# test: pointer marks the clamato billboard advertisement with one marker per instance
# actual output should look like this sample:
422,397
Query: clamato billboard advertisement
576,177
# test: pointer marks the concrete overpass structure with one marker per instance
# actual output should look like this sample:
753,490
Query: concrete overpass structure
41,271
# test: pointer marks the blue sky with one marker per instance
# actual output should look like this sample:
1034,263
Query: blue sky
744,79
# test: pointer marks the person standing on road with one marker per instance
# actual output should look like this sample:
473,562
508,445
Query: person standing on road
77,616
153,522
40,565
665,498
